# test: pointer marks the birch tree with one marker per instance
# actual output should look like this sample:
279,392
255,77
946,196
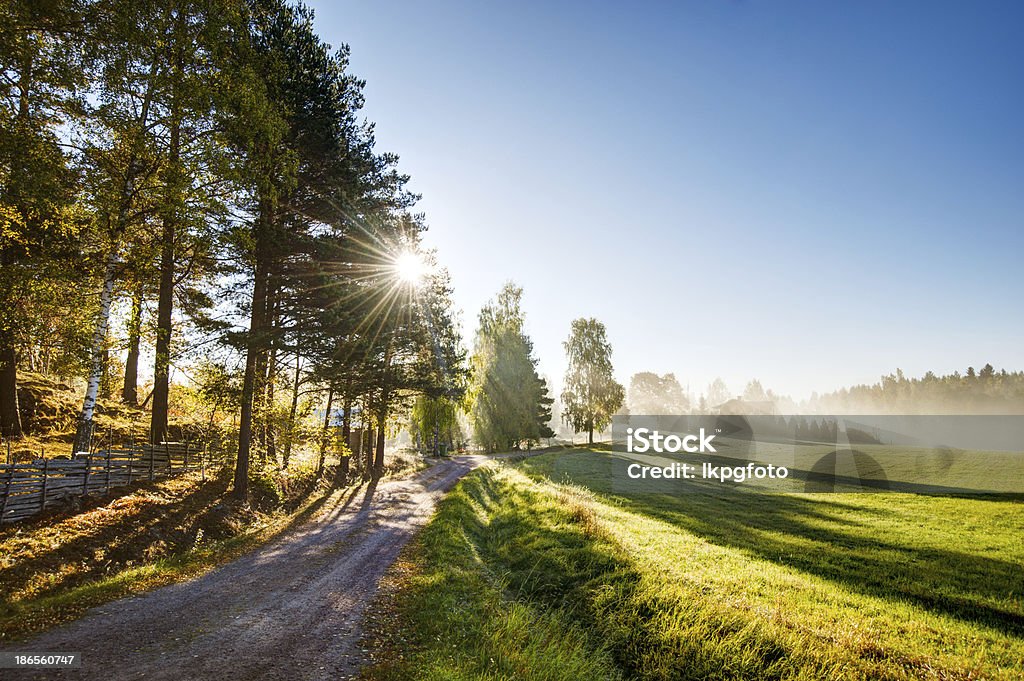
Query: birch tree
591,393
119,153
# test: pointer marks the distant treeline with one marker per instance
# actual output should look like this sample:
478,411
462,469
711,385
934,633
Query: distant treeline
987,391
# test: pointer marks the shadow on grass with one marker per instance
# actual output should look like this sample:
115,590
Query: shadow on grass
817,535
543,553
800,533
143,529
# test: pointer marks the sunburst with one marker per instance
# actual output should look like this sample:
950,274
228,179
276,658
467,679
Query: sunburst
411,268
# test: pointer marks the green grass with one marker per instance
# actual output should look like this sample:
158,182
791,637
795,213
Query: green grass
539,570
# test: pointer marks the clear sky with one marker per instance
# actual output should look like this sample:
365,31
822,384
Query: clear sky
809,193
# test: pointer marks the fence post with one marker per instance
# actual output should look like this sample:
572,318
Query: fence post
88,469
46,470
186,456
152,457
202,460
131,461
106,483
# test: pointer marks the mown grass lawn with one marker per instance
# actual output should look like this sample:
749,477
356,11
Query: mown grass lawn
538,570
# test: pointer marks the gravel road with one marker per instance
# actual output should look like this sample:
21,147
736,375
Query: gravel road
289,610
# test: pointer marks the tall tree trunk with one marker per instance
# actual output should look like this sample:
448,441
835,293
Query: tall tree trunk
287,453
346,424
382,412
259,400
83,433
241,481
255,347
343,467
346,434
261,404
10,418
378,462
326,430
270,438
368,451
164,314
357,453
367,441
165,297
130,390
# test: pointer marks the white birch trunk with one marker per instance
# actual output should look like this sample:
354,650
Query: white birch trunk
99,338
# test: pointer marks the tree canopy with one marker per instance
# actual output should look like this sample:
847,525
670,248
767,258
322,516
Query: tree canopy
199,177
509,400
652,394
591,394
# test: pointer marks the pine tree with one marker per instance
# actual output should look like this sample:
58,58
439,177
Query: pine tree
509,402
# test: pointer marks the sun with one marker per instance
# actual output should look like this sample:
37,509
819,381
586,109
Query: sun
411,268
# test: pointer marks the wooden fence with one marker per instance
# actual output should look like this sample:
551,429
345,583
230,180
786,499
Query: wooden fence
28,488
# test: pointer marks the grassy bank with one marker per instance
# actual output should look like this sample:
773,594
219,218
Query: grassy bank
55,567
538,570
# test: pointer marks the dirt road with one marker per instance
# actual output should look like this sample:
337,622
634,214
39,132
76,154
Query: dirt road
290,610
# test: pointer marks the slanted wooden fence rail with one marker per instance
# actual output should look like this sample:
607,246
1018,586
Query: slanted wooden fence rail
28,488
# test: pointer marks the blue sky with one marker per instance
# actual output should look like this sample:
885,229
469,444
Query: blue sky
808,193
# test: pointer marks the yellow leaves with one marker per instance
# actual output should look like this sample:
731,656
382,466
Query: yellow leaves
12,227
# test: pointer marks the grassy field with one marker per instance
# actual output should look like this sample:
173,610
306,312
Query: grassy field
538,570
